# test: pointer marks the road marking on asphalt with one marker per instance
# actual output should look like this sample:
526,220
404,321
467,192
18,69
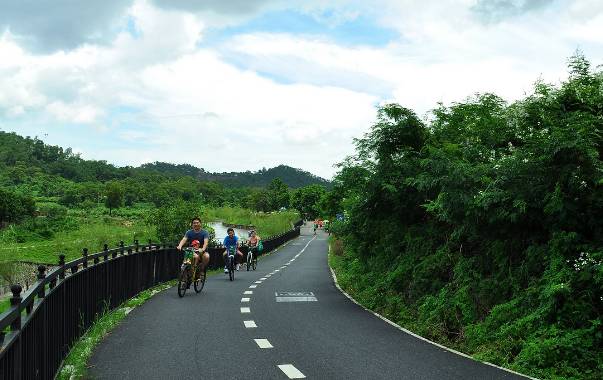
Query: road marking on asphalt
268,275
245,299
263,343
245,310
258,282
295,297
263,279
250,324
291,371
277,270
252,286
248,292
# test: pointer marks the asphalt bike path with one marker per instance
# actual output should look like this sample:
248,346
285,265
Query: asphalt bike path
298,324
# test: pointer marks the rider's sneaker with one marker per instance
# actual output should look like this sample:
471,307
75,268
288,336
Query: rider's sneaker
226,270
238,266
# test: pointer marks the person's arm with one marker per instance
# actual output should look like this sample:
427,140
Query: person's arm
182,242
205,242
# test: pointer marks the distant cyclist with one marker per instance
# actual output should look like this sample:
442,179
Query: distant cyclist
231,242
253,242
201,235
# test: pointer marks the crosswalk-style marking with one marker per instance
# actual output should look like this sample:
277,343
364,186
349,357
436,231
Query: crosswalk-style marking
263,343
291,371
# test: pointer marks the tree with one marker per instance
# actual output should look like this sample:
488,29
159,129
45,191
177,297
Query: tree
259,200
114,193
305,200
15,207
278,194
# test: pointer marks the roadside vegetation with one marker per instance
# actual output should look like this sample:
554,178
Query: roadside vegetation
482,227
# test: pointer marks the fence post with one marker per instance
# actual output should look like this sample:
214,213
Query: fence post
106,252
136,244
62,265
15,301
42,276
85,256
121,247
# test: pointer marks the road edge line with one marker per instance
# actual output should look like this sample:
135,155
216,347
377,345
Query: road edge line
334,276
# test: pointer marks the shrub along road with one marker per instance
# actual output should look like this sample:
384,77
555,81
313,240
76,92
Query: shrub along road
298,324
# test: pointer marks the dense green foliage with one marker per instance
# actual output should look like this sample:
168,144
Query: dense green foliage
15,207
483,228
31,169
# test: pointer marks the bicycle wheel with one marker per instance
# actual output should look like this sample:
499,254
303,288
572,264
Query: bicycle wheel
248,261
231,269
182,281
254,262
199,282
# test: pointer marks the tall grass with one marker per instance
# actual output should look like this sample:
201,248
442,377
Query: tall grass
266,224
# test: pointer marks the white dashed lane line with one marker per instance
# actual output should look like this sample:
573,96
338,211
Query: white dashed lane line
263,343
291,371
245,299
245,310
252,286
248,292
250,324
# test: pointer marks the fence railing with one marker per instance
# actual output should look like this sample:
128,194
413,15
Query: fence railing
42,324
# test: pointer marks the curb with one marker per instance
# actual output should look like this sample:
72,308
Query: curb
418,336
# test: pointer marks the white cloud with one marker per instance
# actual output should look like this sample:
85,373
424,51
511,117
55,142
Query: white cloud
164,92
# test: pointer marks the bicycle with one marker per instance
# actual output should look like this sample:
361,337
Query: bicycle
252,258
190,273
230,263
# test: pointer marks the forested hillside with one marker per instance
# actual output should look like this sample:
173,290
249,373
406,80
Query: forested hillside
54,200
483,228
292,177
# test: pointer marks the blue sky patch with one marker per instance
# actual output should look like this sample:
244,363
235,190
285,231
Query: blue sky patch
359,31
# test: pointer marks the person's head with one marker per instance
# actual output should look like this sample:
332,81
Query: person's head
196,223
230,231
195,243
252,233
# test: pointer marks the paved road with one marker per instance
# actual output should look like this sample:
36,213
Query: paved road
204,335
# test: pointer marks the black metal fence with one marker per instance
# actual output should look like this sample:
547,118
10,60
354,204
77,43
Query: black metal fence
41,325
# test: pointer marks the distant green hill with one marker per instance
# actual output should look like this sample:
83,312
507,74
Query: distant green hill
26,153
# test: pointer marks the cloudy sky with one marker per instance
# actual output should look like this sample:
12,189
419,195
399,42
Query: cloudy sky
245,84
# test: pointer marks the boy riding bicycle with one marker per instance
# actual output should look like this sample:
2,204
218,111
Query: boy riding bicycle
231,242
